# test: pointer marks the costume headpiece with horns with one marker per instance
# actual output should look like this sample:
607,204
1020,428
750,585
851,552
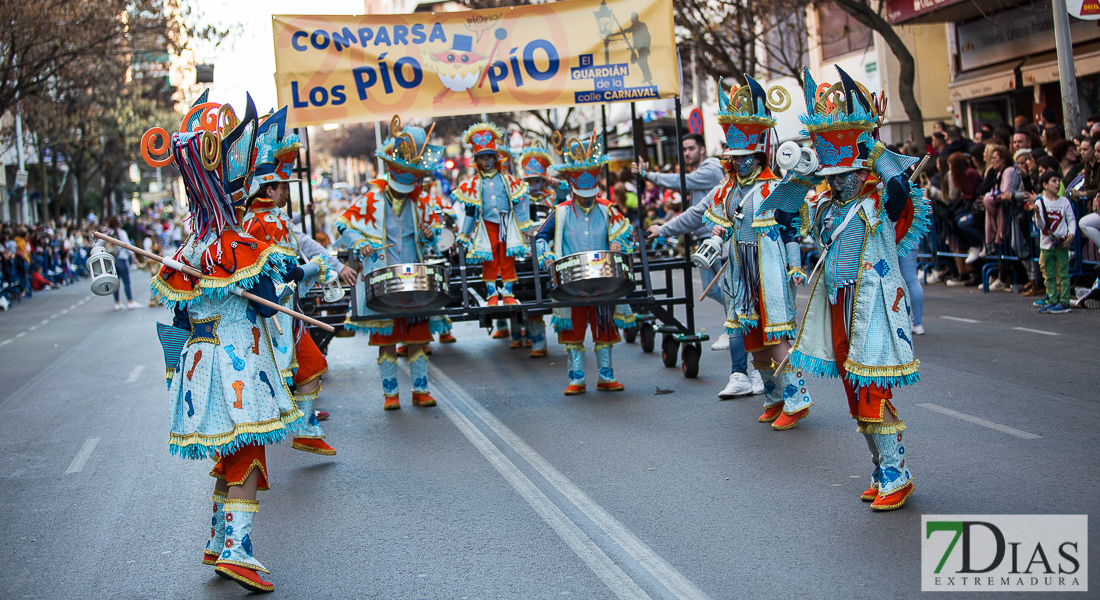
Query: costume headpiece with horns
843,120
409,155
746,116
581,163
276,152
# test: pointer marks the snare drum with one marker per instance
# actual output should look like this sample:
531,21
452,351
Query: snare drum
592,275
408,287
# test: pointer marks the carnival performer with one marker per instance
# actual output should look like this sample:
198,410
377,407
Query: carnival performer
228,399
765,261
584,223
534,163
296,353
496,214
441,323
395,212
857,323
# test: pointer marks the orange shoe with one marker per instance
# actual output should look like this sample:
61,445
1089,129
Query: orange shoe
314,445
447,338
402,350
209,558
870,494
771,413
493,301
423,399
515,344
245,577
895,500
785,421
538,354
500,334
574,389
510,301
609,386
528,343
322,415
392,403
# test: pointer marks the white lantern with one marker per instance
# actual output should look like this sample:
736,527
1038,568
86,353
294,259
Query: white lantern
792,156
332,291
708,252
101,265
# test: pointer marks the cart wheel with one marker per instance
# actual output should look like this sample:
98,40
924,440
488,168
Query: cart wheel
670,347
648,337
630,334
691,360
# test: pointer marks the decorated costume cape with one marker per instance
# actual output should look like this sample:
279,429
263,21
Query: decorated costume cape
880,343
775,264
468,193
362,230
227,392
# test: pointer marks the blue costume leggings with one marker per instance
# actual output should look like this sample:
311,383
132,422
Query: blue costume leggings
908,265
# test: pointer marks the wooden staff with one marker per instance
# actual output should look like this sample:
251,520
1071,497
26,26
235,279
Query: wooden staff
715,280
912,178
175,264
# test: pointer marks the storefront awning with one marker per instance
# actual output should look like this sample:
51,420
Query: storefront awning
1043,68
989,81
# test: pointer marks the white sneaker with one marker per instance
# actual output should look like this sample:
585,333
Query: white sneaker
132,304
997,285
722,343
918,330
973,256
738,386
118,306
757,382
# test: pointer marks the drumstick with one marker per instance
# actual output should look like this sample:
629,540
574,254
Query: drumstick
175,264
365,249
715,280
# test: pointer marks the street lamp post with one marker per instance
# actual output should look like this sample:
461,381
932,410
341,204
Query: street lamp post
1066,73
605,20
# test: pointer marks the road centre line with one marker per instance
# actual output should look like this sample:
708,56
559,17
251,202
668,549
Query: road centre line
82,457
595,558
1035,331
960,319
661,570
135,374
979,421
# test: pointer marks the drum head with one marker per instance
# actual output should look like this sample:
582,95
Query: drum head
445,240
404,288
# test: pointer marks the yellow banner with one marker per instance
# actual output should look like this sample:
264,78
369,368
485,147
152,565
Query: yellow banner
351,69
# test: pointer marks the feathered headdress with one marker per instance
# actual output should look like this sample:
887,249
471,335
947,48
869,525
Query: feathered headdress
276,152
483,138
746,116
581,163
409,155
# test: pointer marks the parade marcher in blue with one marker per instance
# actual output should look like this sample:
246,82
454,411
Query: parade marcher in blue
228,400
584,223
395,212
299,358
765,262
534,165
857,320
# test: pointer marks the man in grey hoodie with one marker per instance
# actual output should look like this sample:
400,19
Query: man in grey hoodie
704,174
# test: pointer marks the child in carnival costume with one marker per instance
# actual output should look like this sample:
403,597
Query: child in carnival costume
534,164
296,353
497,214
228,398
857,320
765,261
583,223
395,211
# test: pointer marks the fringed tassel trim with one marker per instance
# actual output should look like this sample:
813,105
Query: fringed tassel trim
270,263
515,252
197,446
439,327
241,505
624,321
885,376
369,326
815,366
783,331
921,222
306,397
559,324
625,240
478,257
420,354
712,218
881,428
545,258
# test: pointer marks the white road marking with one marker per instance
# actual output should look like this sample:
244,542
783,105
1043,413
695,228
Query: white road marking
961,320
82,457
587,550
32,328
979,421
21,334
5,342
44,321
135,374
661,570
1035,331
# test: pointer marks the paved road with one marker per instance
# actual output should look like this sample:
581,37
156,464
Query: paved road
510,490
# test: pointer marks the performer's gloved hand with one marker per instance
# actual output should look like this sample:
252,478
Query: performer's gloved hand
296,275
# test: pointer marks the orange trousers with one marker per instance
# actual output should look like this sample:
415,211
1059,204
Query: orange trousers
865,403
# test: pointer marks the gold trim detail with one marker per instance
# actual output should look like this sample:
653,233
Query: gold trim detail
216,319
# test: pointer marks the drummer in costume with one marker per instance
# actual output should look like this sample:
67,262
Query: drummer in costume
442,323
857,321
534,163
395,211
295,351
228,399
586,223
497,214
765,261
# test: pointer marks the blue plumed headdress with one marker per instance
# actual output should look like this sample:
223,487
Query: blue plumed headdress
581,163
746,116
